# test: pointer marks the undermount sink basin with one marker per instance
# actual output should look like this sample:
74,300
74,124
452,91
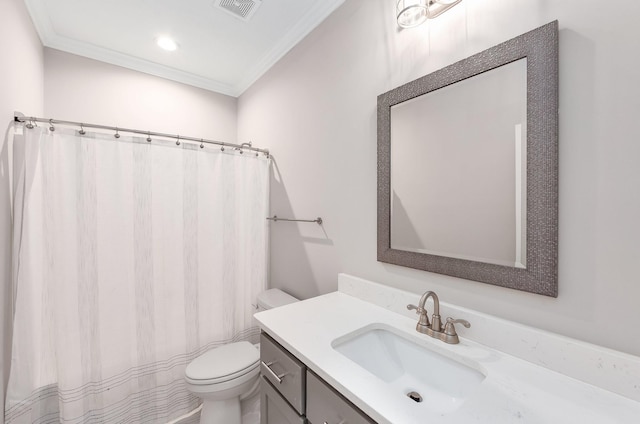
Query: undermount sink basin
432,380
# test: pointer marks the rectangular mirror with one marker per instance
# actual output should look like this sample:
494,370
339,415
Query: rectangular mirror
467,167
471,178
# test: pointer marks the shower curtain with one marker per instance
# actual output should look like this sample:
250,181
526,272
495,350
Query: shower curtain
130,258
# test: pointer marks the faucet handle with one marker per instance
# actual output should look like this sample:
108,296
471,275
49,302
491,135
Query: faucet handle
424,319
449,334
413,307
450,329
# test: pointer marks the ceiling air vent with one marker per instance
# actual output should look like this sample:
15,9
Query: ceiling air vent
241,9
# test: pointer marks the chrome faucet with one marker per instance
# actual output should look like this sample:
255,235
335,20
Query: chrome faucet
434,329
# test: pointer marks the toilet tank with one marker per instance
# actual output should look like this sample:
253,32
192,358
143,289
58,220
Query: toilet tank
273,298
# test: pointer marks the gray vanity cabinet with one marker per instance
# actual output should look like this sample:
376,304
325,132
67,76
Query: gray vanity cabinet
291,394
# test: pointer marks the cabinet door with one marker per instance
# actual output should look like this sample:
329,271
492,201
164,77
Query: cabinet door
284,371
274,409
326,406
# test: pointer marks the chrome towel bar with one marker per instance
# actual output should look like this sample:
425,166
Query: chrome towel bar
318,220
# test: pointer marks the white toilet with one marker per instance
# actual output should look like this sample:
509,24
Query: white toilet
223,376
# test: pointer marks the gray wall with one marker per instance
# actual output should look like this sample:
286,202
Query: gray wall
85,90
316,110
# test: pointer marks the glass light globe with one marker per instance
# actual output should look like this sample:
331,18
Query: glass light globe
411,13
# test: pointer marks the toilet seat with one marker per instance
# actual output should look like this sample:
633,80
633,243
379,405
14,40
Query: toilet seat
222,364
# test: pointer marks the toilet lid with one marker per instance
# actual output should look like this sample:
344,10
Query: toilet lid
273,298
224,361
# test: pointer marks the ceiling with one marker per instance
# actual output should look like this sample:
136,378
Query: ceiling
217,51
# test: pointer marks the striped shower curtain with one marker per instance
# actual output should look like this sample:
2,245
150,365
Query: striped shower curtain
130,258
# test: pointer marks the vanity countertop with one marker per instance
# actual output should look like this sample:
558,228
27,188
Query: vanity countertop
513,391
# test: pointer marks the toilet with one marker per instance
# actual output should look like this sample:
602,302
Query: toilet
225,375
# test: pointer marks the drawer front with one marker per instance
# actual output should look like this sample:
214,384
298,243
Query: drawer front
284,372
274,409
326,406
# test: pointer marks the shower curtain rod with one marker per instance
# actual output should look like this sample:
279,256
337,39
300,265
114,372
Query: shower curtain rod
18,117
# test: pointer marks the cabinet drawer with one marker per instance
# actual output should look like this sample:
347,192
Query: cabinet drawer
284,372
326,406
274,409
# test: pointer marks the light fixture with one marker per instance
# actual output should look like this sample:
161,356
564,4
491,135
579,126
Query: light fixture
166,43
411,13
438,7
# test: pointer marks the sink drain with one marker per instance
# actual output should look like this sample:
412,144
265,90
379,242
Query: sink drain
415,396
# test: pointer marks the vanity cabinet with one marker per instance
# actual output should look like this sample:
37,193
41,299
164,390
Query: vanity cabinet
291,394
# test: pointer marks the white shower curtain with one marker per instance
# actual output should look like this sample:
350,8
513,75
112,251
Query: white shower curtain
129,259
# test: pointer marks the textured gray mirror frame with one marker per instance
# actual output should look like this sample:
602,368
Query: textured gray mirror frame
540,47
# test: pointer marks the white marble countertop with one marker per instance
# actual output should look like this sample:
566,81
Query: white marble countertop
513,391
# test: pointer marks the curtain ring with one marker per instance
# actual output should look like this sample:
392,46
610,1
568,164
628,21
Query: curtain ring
201,143
178,141
149,136
222,148
30,125
116,135
82,131
51,127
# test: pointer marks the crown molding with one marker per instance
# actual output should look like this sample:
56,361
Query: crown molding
49,38
126,61
300,30
38,11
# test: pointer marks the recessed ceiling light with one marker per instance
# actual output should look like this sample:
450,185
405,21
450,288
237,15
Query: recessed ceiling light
166,43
